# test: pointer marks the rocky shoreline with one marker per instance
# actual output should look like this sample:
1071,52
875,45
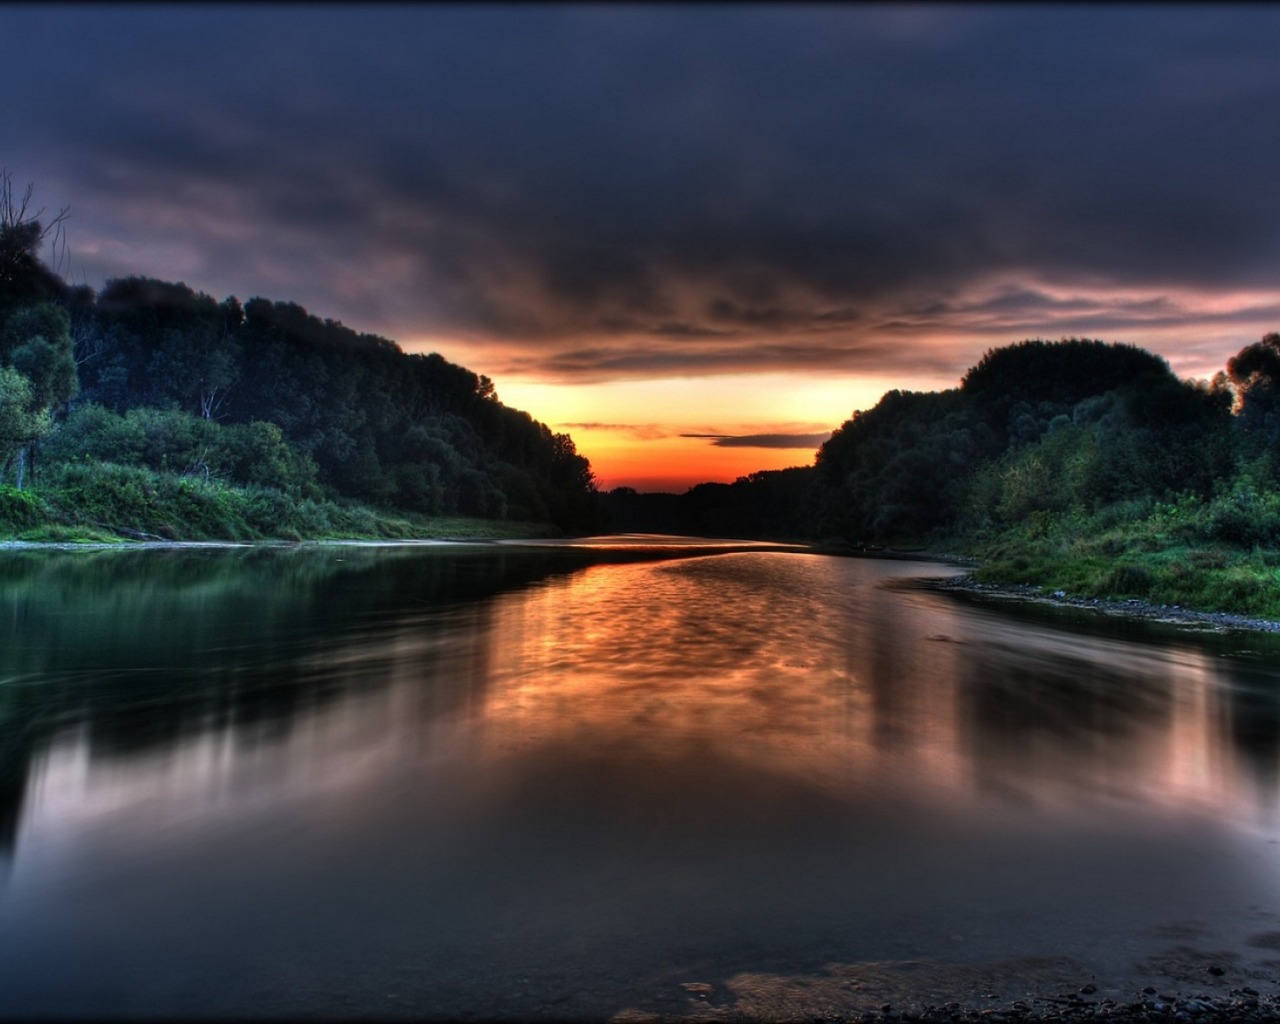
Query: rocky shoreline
1244,1004
1132,608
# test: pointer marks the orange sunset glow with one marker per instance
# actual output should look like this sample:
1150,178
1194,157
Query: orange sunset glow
639,231
637,432
629,513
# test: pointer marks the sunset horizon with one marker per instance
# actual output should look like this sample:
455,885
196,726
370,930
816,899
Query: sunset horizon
627,513
638,235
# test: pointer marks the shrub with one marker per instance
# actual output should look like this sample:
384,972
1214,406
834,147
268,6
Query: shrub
20,510
1129,580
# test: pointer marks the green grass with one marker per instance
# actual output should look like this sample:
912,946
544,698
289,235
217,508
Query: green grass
1196,555
109,503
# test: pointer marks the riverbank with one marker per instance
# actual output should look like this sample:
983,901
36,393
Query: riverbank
1045,988
1151,1006
1187,555
226,545
1124,607
1213,572
119,506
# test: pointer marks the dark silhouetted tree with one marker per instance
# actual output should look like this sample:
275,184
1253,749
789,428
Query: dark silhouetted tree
24,280
1254,376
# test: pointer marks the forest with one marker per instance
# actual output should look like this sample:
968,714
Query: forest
1082,466
151,409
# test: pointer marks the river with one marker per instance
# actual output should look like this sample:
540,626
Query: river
623,778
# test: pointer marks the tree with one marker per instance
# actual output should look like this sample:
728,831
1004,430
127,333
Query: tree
23,278
195,368
36,344
1254,373
22,421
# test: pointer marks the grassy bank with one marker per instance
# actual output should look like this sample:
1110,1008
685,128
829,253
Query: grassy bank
1213,556
107,503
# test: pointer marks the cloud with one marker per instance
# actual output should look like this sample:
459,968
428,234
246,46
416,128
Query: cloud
593,193
639,431
807,441
626,358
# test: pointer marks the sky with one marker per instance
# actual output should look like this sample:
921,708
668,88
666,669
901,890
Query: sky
696,238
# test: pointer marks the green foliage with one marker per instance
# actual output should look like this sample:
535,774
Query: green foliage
101,501
36,341
1036,429
896,471
22,420
1244,517
20,510
413,432
257,453
185,444
17,409
37,378
265,395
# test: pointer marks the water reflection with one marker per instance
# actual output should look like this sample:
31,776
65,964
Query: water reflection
511,781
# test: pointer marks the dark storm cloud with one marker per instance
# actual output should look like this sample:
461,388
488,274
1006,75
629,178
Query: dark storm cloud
659,356
619,191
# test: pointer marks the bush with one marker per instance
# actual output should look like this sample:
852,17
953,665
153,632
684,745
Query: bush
20,510
168,440
1245,517
1129,580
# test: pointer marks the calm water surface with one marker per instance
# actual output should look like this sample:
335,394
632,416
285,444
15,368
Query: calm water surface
569,782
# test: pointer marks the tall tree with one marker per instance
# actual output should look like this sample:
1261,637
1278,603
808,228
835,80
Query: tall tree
1254,374
23,278
22,422
36,344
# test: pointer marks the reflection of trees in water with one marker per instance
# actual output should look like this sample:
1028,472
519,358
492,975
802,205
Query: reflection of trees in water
1253,710
905,662
1099,723
1030,716
1018,702
145,649
887,682
13,788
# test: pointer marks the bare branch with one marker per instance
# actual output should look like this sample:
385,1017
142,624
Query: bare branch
14,214
87,343
61,263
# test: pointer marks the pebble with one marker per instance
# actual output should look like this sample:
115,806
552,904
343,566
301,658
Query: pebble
1241,1005
1129,606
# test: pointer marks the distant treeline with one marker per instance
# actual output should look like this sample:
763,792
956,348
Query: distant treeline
152,374
99,392
1035,430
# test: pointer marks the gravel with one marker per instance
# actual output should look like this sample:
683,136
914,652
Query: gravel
1133,608
1243,1004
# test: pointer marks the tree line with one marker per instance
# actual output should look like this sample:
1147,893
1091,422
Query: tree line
1034,431
154,374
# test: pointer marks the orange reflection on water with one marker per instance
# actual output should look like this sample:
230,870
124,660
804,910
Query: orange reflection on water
800,666
616,771
810,667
